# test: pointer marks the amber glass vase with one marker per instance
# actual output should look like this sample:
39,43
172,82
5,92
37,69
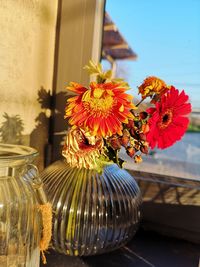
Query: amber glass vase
20,222
93,213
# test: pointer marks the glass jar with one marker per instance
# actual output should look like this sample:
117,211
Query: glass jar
20,222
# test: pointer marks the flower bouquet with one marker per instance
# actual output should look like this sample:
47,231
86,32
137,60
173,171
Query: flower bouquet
96,203
104,118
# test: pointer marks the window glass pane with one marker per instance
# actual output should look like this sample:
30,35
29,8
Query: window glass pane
165,35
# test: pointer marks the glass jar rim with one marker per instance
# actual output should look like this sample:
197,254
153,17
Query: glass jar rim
15,152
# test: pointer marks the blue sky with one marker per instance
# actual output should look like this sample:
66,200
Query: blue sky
166,37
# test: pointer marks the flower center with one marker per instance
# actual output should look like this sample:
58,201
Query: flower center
166,119
100,106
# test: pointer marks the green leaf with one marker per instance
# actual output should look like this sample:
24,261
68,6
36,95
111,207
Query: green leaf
108,74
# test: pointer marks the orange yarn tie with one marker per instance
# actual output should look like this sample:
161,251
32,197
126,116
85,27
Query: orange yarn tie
46,211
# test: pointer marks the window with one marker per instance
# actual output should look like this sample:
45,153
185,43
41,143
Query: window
165,37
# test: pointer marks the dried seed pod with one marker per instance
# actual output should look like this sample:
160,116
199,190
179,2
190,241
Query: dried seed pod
143,115
142,136
124,140
138,159
144,149
130,124
137,145
130,151
133,133
145,128
115,142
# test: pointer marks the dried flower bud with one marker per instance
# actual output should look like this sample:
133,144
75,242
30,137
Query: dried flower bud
137,145
134,134
144,149
130,124
130,151
142,137
143,115
138,159
115,142
145,143
124,140
145,128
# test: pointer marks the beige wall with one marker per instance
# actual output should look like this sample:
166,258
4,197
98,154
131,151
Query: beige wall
27,41
27,33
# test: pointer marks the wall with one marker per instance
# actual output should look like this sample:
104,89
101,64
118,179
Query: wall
27,41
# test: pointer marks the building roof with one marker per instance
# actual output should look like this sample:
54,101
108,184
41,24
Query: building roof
114,44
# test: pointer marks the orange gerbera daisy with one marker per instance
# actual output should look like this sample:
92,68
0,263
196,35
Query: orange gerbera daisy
101,110
152,85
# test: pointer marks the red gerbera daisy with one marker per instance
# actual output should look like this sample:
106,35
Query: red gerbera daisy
168,121
101,110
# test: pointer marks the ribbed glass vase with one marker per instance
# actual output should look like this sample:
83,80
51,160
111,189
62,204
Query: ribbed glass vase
20,222
93,213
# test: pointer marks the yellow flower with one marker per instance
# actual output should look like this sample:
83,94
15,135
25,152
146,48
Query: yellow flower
101,110
82,150
152,85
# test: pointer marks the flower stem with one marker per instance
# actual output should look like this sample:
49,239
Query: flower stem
139,102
